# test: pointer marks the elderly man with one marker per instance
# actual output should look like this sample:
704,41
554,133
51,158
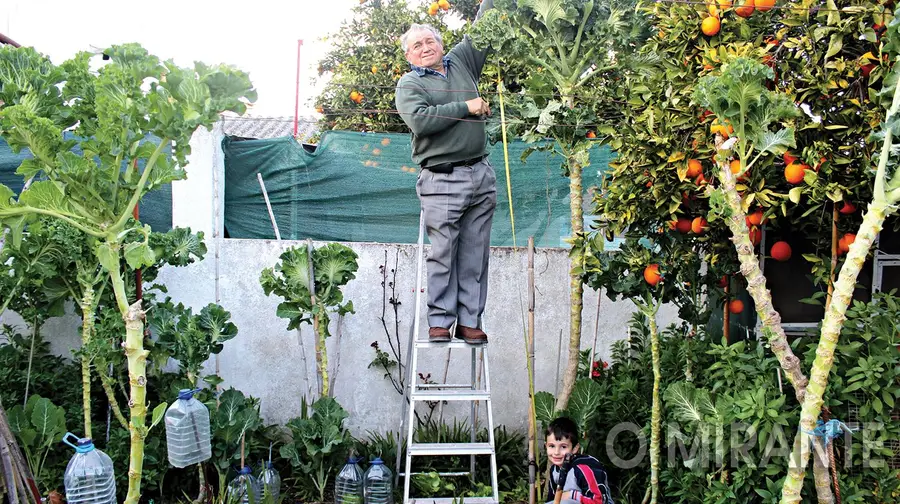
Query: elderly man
439,101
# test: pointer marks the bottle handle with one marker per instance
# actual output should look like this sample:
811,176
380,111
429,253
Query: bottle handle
66,436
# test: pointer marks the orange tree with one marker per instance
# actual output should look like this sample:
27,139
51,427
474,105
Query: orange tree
827,60
366,61
659,268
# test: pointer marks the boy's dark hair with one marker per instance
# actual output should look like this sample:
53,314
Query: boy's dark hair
563,428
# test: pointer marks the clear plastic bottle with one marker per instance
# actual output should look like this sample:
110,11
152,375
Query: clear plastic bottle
243,486
270,482
348,486
378,486
89,477
187,431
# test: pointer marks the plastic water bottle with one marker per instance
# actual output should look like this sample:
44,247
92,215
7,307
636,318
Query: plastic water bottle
348,486
379,484
270,482
187,431
239,486
89,477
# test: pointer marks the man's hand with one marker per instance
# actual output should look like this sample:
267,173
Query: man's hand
477,106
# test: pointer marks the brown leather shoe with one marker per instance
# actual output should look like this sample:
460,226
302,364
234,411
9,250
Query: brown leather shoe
438,335
471,335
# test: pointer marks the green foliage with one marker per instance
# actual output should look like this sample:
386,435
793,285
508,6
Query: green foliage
112,114
189,338
829,60
512,454
318,445
38,426
234,417
738,384
552,52
366,57
334,265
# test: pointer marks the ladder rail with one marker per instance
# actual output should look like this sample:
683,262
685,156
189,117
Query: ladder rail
412,354
490,419
472,392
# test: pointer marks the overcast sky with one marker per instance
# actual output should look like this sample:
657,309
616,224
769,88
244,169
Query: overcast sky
258,36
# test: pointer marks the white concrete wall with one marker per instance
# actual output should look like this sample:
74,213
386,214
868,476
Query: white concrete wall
265,360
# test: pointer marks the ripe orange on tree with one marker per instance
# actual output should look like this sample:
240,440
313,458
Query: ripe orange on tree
721,129
735,166
789,158
736,306
845,242
847,208
780,251
444,5
764,5
794,172
651,275
433,9
745,10
683,225
591,134
699,225
694,168
711,25
755,219
356,96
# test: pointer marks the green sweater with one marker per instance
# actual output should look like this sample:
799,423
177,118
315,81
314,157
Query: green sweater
431,105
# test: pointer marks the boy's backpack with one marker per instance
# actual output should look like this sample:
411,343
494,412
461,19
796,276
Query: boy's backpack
588,478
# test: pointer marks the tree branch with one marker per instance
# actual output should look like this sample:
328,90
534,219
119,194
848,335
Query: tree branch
129,210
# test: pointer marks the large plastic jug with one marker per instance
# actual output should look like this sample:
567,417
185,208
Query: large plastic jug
187,431
89,477
243,486
378,486
270,482
348,486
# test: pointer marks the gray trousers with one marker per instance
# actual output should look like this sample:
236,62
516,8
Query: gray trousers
458,208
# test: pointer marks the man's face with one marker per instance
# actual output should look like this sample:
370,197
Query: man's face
423,50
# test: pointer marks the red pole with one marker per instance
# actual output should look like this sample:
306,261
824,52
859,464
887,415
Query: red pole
297,90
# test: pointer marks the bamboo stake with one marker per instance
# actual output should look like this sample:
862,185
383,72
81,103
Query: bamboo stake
533,483
596,332
726,317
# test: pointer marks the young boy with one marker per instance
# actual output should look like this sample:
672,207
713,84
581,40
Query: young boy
586,482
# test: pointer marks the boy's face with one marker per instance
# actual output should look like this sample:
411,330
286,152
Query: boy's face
557,449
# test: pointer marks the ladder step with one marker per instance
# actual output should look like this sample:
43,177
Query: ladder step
447,474
419,449
453,500
454,343
451,395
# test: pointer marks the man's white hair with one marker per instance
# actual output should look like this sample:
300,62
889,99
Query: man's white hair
419,27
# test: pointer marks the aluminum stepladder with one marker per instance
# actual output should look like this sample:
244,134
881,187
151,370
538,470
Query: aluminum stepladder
415,393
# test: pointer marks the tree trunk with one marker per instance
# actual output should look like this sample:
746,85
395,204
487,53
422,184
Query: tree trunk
137,376
831,330
576,286
87,329
656,413
105,383
756,286
821,476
